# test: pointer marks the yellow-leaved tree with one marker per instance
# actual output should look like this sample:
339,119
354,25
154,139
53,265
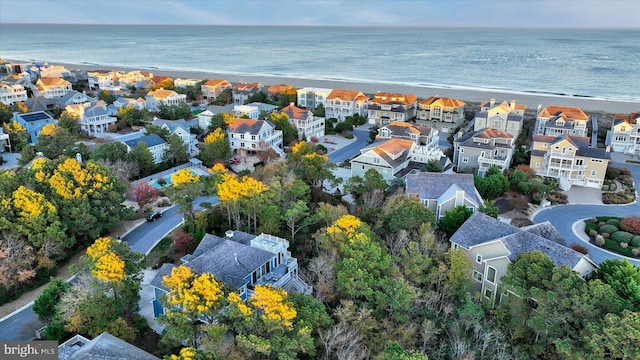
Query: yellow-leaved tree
198,294
273,305
237,195
49,130
184,176
106,265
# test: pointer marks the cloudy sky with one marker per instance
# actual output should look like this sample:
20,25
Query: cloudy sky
492,13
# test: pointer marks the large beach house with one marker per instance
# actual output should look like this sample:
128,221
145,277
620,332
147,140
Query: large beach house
441,113
387,107
156,145
343,103
624,135
506,117
250,136
305,122
441,192
311,98
166,97
11,93
93,117
33,122
241,92
558,120
213,88
53,87
477,151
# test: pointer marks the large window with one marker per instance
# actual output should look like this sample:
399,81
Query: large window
491,274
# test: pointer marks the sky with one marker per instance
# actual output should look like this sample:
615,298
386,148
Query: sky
487,13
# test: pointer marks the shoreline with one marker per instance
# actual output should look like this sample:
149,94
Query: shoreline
471,95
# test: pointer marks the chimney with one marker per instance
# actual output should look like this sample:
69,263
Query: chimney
492,102
539,109
228,233
513,105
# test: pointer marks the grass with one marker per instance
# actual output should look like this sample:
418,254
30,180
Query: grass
161,250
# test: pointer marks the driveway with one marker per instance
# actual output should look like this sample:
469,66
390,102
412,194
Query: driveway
22,324
563,218
349,151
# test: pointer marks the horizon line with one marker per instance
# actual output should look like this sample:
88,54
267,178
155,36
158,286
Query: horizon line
340,26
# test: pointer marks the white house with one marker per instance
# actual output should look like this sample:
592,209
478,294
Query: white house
73,97
311,98
123,102
166,97
253,110
204,118
305,122
624,135
10,94
5,143
182,129
103,80
156,145
343,103
93,117
249,136
53,87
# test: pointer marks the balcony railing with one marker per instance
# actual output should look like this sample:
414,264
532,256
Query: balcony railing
569,167
500,160
556,155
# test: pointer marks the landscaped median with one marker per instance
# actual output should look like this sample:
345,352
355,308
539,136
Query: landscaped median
616,234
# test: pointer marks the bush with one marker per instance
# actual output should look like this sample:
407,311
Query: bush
635,252
535,199
593,232
161,181
349,136
624,245
608,229
599,240
635,241
615,247
631,224
605,187
614,222
617,198
589,227
579,248
622,237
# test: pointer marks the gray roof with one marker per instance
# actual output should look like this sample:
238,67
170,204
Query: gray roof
165,270
175,124
403,131
480,228
69,95
107,346
246,126
40,103
432,185
263,106
150,140
96,109
467,139
582,144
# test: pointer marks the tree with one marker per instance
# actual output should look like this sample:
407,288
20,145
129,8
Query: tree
45,304
186,187
297,218
112,151
434,166
133,116
69,122
54,142
224,98
281,122
17,135
106,96
453,219
142,193
163,132
367,191
27,154
402,213
221,120
142,157
177,153
624,278
319,111
215,148
174,112
493,184
312,167
488,207
343,126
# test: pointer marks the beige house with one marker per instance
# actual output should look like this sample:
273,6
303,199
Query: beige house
212,88
11,93
570,159
53,87
166,97
442,192
343,103
441,113
387,107
305,122
492,245
135,78
477,151
558,120
624,135
502,116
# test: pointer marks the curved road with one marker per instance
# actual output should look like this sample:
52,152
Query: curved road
563,217
349,151
22,324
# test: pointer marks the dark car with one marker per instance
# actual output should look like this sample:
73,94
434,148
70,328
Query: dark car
154,215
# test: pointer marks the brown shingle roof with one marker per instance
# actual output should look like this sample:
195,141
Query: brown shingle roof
490,133
443,101
564,111
276,89
247,87
241,125
348,95
294,112
51,81
161,93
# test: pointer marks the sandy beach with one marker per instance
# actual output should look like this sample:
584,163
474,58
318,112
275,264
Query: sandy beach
531,100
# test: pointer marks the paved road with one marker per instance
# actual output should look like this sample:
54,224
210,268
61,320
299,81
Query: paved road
563,218
22,325
347,152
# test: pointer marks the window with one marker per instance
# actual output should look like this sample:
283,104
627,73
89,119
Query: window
477,276
461,150
488,293
478,258
491,274
593,172
455,246
537,165
253,137
376,160
465,159
242,136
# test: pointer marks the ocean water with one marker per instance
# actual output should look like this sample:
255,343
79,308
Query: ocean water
571,62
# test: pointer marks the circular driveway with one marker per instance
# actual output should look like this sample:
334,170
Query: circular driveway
563,218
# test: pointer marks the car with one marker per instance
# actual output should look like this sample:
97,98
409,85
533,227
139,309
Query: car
154,215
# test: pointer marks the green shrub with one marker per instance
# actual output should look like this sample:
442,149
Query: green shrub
635,241
348,136
608,229
622,237
607,218
614,222
615,247
588,227
536,200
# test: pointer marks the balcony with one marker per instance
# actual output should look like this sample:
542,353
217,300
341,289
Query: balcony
497,161
569,167
557,155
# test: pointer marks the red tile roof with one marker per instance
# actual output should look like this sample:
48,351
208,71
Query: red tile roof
385,98
564,111
443,101
347,95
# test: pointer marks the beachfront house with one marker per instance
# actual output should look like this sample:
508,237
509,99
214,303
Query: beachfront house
10,94
441,192
558,120
387,107
241,261
33,122
506,117
307,125
492,245
248,136
343,103
135,78
246,110
181,128
103,80
570,159
167,97
184,83
399,147
93,117
156,145
53,87
441,113
624,135
274,91
311,98
477,151
48,70
241,92
213,88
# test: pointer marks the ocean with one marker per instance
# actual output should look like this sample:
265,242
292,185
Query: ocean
571,62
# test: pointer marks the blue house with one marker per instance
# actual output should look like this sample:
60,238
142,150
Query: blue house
240,260
33,122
